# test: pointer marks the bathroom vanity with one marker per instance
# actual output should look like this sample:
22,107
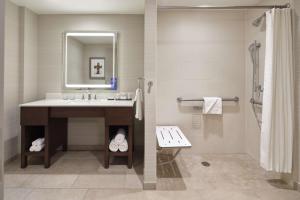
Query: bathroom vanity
49,119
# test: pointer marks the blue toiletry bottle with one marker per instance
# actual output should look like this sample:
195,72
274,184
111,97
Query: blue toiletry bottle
113,82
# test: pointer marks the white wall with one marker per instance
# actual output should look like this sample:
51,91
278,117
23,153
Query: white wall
201,53
2,25
297,107
28,55
75,61
150,75
130,64
20,71
11,126
50,39
101,50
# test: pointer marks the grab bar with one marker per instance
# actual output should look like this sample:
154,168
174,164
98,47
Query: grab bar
235,99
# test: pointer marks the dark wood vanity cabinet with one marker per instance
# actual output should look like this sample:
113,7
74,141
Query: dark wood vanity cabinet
52,123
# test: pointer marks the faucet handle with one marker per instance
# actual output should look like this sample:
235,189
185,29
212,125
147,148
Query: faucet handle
95,97
82,97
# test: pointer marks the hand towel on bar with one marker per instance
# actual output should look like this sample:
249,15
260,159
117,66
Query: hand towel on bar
120,136
123,147
113,146
138,104
36,148
212,105
38,141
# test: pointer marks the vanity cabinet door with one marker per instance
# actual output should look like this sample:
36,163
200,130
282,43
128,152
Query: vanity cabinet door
119,116
34,116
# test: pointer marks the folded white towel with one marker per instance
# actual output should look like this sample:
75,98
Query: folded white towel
123,147
38,141
138,104
120,136
113,146
36,148
212,105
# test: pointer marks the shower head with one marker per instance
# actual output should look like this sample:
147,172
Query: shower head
257,22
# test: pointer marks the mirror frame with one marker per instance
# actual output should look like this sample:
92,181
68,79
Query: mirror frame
65,56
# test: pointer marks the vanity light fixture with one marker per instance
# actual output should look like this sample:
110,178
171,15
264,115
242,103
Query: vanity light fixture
102,34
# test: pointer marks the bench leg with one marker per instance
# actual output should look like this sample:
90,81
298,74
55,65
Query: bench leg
172,159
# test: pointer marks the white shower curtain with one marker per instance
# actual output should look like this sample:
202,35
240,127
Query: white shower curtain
278,100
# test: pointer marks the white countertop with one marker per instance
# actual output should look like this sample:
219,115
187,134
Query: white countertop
79,103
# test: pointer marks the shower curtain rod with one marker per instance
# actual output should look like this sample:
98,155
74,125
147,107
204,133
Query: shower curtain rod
223,7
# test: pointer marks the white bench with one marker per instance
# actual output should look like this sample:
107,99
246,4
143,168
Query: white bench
171,137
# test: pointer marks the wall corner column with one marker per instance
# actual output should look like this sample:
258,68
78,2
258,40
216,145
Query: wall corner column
150,64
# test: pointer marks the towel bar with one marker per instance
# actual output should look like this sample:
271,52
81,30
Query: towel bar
235,99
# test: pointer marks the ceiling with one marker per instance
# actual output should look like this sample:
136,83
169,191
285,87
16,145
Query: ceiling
208,2
83,6
114,6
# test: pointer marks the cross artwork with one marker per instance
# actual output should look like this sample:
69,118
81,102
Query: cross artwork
98,67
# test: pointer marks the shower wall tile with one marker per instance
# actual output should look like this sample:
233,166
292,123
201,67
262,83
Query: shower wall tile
252,131
202,54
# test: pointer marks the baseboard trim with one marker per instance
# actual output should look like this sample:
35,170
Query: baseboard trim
149,185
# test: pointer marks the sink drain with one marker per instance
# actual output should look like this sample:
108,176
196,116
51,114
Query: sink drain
205,164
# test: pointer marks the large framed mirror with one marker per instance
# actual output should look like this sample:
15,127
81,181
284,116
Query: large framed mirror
90,60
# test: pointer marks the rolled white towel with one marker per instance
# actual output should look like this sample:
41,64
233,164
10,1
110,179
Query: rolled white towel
120,136
32,148
36,148
123,147
113,146
38,141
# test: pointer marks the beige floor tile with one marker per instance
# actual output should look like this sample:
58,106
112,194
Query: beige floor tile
133,181
278,194
78,175
172,184
16,193
83,155
71,166
15,180
108,181
57,194
50,181
232,194
115,195
173,195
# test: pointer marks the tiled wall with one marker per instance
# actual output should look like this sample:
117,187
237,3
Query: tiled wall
130,64
252,33
201,53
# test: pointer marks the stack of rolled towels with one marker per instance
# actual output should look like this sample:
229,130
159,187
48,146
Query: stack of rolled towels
119,142
37,145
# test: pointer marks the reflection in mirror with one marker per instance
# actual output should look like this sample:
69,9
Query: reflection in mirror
90,59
